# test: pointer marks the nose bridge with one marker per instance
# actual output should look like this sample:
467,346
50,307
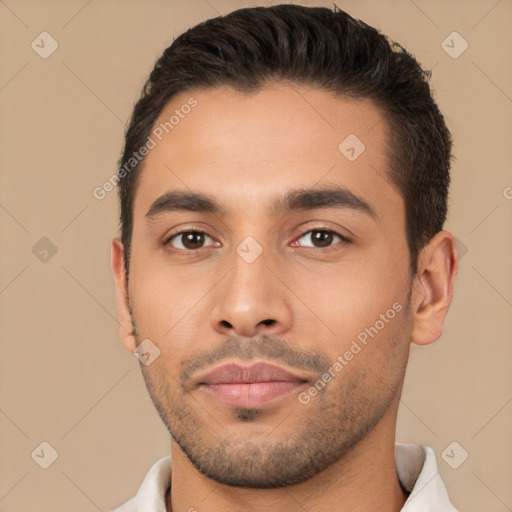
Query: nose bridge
250,299
247,284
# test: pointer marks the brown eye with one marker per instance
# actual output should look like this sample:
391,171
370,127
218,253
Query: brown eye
189,240
320,238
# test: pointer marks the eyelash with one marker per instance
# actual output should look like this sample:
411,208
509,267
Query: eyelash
343,238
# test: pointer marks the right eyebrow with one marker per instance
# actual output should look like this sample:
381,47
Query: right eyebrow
177,200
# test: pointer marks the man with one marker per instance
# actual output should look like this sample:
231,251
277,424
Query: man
283,190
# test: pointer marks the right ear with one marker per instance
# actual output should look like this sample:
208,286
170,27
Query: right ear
127,329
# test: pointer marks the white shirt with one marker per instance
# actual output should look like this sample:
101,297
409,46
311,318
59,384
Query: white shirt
416,467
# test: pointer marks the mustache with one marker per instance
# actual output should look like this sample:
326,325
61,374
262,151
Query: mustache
265,347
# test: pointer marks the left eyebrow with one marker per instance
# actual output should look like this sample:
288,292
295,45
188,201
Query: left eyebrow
294,200
316,198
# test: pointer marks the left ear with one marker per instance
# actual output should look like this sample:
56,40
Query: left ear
433,288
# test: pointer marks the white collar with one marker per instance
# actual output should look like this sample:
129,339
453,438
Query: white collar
416,469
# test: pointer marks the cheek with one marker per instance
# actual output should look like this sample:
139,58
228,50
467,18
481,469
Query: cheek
172,306
159,298
351,297
375,353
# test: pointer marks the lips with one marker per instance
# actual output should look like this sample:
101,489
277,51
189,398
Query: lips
258,372
249,386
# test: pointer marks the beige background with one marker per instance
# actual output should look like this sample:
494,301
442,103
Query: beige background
65,379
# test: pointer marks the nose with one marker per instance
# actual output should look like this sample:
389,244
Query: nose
251,300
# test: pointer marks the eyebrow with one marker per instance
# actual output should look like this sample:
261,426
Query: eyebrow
294,200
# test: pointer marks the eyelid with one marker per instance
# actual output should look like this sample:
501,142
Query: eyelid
343,238
179,230
168,238
321,225
329,230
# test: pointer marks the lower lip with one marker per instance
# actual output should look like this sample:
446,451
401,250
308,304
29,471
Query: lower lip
254,394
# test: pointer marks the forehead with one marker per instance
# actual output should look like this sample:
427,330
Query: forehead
247,149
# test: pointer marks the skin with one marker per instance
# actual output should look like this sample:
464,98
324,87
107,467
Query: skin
295,303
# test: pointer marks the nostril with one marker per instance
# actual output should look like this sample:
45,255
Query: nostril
268,322
225,323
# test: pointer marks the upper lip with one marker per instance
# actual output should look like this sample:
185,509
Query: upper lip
230,373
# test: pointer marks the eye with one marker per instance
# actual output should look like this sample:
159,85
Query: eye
320,238
189,240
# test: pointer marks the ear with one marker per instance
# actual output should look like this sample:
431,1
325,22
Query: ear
433,288
126,330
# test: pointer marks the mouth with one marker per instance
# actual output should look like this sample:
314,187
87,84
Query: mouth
250,386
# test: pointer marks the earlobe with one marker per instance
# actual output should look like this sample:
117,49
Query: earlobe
433,289
126,329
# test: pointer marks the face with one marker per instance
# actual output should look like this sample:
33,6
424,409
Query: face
269,266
